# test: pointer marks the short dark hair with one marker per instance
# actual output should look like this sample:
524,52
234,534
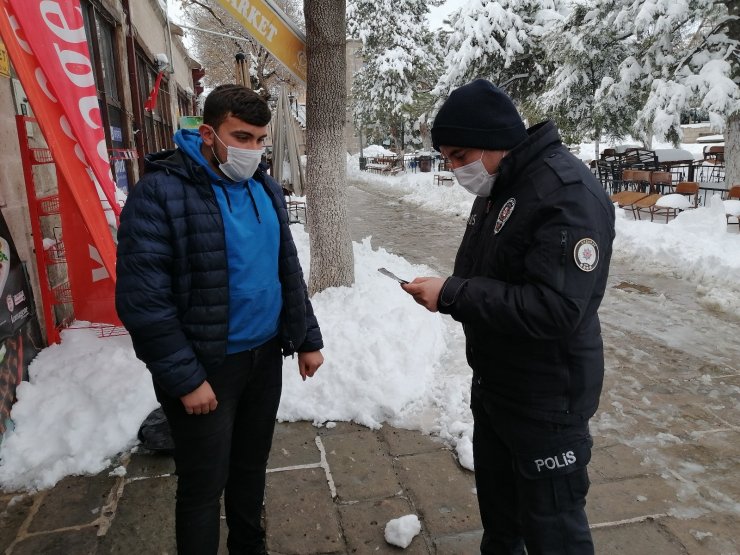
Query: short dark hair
237,101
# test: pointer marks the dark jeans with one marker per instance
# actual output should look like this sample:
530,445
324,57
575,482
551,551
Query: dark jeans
226,449
532,482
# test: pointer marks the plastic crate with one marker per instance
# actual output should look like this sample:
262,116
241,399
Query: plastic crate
56,254
48,205
62,293
41,156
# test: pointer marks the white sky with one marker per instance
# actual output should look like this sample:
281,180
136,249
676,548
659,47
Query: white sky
387,359
438,14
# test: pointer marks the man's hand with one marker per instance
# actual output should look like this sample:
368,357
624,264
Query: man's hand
201,400
425,291
308,363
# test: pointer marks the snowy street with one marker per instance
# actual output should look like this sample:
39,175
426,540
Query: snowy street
353,449
671,396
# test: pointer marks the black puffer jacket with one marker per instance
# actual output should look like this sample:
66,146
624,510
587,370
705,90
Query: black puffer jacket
172,289
528,280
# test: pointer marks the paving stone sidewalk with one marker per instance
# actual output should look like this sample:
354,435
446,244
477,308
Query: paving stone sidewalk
331,491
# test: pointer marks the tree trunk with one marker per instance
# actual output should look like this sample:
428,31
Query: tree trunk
332,261
732,150
732,130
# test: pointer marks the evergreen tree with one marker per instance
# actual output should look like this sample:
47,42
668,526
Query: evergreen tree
397,53
585,61
678,55
501,41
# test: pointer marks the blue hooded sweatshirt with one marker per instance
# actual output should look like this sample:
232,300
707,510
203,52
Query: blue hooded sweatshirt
252,246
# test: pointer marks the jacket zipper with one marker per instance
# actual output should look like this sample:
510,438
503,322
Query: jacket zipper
563,255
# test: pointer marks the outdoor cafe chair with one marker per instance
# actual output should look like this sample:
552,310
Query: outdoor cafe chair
606,176
685,197
627,200
440,178
627,180
689,189
715,153
646,205
660,182
641,179
640,158
732,204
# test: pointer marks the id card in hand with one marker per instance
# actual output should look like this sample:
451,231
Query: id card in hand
391,275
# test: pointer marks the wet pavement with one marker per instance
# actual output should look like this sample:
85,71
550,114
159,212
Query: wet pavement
665,470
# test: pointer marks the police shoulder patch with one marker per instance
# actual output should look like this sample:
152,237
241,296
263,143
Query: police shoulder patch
586,254
504,214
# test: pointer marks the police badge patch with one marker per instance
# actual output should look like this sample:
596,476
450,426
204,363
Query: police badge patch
586,254
504,214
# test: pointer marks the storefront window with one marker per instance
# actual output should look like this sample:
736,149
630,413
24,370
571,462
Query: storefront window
102,42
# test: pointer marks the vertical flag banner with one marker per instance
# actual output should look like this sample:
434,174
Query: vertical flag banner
151,102
47,46
53,33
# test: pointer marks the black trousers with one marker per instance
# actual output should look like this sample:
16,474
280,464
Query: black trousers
531,480
226,449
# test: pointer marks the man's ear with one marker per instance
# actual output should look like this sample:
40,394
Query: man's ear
207,134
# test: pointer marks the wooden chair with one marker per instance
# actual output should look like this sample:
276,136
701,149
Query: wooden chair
641,179
296,209
627,179
646,205
440,178
671,205
714,153
689,189
627,199
660,182
732,204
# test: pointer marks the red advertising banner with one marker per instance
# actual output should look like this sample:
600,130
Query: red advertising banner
64,71
93,291
46,43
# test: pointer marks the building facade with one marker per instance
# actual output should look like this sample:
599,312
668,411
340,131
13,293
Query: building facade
131,43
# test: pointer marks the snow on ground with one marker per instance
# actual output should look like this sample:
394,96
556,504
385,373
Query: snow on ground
401,531
387,359
585,151
417,188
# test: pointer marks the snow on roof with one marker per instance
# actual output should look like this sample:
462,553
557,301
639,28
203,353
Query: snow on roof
673,154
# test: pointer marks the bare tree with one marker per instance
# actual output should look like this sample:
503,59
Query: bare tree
217,52
332,261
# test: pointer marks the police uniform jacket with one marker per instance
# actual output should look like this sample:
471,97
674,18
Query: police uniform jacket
172,291
529,277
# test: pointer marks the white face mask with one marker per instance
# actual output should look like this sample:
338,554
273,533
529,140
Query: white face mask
241,163
475,179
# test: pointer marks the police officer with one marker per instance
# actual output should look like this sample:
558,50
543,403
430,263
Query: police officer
528,280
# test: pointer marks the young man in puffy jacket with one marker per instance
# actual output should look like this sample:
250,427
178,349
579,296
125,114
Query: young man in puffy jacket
211,290
528,280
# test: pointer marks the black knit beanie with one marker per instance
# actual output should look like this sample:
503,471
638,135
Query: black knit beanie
478,115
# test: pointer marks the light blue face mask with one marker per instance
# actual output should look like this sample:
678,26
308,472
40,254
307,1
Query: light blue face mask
241,163
475,179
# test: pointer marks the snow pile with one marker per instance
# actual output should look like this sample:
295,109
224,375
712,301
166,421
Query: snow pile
377,150
88,396
371,374
401,531
84,403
